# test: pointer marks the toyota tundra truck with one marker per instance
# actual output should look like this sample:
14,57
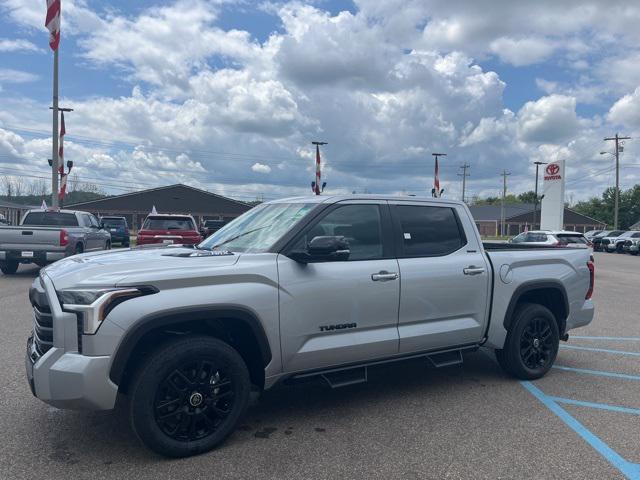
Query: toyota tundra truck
301,287
45,236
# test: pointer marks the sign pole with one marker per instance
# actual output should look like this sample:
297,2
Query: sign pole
54,153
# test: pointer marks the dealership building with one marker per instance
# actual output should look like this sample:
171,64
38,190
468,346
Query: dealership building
178,198
519,217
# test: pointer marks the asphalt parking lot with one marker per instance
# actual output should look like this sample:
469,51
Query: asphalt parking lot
409,420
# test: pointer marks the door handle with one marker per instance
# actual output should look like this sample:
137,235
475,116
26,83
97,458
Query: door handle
383,276
473,270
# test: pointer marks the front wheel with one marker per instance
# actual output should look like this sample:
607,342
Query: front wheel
532,343
188,396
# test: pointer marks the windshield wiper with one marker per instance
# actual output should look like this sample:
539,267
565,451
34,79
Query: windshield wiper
238,236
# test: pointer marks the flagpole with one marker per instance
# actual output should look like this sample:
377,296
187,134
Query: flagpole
54,153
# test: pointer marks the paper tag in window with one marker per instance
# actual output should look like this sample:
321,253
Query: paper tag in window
407,236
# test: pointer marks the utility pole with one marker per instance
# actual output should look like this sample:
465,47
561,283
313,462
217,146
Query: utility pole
436,191
464,176
316,186
504,174
617,139
536,199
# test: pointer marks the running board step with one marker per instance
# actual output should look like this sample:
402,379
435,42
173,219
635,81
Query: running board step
343,378
446,359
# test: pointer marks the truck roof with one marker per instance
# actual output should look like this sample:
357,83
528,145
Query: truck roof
340,198
49,210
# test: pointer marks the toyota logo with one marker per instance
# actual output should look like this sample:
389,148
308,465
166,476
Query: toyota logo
552,169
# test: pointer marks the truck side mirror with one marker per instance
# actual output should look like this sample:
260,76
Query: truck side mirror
323,249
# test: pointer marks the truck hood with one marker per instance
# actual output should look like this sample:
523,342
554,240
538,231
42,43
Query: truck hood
135,266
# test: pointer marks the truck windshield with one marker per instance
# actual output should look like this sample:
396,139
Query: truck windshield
258,229
50,219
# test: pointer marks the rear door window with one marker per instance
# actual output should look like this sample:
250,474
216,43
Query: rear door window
428,231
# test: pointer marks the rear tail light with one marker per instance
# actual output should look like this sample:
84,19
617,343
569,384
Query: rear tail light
592,279
64,238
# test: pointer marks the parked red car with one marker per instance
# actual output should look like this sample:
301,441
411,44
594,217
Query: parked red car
168,229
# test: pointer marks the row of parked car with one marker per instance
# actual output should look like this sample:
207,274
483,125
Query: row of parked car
45,236
619,241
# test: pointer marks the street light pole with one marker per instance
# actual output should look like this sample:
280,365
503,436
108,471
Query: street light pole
535,201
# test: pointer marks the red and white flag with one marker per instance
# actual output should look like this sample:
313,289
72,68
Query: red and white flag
63,176
436,181
52,23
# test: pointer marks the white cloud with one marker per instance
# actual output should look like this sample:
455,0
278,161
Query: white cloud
261,168
626,111
17,45
523,51
8,75
550,119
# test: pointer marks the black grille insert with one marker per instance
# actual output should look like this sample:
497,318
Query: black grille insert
42,318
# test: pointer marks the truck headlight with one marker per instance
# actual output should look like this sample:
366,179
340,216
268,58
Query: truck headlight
93,305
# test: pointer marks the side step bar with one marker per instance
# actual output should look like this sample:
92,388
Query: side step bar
342,377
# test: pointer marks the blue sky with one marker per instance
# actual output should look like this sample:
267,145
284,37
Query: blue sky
227,95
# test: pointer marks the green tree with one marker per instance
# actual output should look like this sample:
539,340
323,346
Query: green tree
527,197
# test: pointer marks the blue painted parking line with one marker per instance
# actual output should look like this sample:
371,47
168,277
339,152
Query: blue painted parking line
629,469
600,406
598,372
603,350
615,339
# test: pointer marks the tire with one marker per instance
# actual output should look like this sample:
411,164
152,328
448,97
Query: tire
619,248
9,268
530,322
167,385
125,244
79,249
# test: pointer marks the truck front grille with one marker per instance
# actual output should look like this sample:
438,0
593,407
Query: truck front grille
42,318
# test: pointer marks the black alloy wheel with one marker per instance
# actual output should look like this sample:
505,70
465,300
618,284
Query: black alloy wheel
188,395
193,400
532,342
536,344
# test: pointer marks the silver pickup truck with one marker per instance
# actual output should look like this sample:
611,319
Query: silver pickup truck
321,286
45,236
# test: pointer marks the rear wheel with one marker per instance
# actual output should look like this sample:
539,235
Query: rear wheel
532,343
9,268
188,396
79,249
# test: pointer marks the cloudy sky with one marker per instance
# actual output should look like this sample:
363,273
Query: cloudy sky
228,95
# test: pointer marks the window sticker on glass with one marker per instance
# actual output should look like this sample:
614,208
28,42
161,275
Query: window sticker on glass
407,236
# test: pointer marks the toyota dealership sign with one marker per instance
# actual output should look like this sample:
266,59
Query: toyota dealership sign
552,216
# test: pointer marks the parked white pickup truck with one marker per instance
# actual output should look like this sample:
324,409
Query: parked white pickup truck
321,286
